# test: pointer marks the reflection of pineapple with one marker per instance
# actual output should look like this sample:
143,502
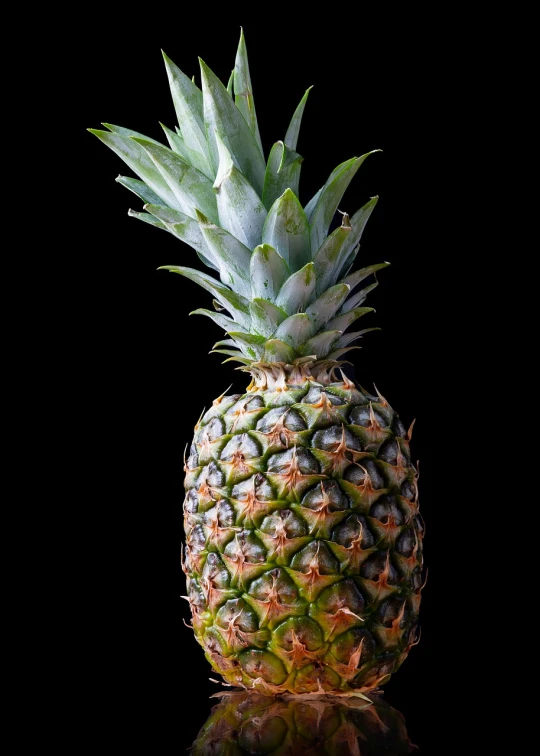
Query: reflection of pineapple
245,723
304,542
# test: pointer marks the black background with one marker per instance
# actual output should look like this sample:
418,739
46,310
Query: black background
143,367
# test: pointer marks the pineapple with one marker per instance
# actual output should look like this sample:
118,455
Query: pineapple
304,539
245,723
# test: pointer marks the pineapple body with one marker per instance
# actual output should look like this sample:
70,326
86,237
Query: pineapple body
304,540
247,723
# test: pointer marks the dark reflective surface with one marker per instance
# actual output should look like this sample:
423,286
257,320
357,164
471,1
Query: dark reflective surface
246,723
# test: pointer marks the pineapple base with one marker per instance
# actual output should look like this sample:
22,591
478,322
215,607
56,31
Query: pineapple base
304,538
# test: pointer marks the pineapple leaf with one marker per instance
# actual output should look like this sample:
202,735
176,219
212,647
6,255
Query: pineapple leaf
321,343
230,84
327,257
188,104
330,197
282,172
326,306
350,248
249,343
298,289
176,143
229,253
186,229
243,94
355,278
337,354
221,320
140,189
295,330
265,317
348,338
234,355
147,218
238,306
278,351
222,118
129,133
287,230
192,189
268,272
291,137
341,322
359,298
139,162
241,212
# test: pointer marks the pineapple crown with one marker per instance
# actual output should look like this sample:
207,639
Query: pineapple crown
284,282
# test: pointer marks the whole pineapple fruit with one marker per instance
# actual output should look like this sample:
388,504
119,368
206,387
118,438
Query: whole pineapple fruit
247,723
304,540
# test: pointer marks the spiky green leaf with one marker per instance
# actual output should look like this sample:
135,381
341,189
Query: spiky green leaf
237,305
351,246
188,104
147,218
140,189
240,210
265,317
129,133
295,330
359,275
221,320
320,344
297,291
282,172
243,91
176,143
186,229
341,322
327,257
268,271
348,338
278,351
330,197
337,354
222,118
234,355
140,162
232,257
359,298
230,84
327,305
192,189
291,137
287,230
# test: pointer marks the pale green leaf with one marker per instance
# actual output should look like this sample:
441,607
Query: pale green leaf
268,271
222,118
238,306
139,162
186,229
243,92
350,248
265,317
251,344
230,84
320,344
287,230
298,289
341,322
348,338
282,172
330,198
192,189
295,330
232,257
130,133
221,320
278,351
234,355
359,275
337,354
327,305
241,212
147,218
327,257
140,189
188,104
359,298
176,143
291,137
